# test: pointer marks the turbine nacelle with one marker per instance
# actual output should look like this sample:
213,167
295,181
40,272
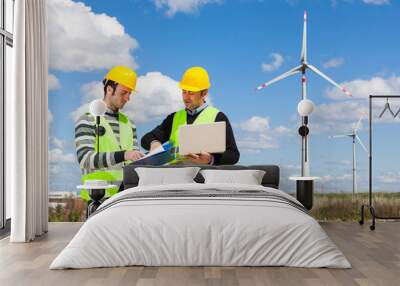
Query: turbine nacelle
354,134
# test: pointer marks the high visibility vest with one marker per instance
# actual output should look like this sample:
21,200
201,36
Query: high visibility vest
208,115
109,143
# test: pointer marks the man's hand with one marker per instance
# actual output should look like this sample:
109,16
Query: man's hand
154,145
202,158
133,155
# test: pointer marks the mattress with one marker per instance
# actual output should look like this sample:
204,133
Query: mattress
201,225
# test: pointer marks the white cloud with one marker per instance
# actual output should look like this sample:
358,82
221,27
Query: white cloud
58,143
52,82
363,88
57,152
390,177
343,163
292,167
255,124
54,169
49,117
377,2
337,117
57,155
91,91
327,178
334,63
277,61
157,96
341,115
64,172
81,40
183,6
335,3
282,130
257,143
330,178
250,151
64,176
257,134
292,2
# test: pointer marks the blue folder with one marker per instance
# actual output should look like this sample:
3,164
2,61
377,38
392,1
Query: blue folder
159,159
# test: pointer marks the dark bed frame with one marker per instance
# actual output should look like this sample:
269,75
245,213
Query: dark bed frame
270,179
131,179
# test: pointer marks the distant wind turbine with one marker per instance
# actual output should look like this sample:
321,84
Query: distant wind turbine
355,137
305,104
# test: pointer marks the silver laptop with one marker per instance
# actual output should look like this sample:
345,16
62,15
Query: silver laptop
196,138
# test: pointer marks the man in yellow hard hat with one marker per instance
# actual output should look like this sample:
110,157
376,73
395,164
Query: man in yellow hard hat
117,134
194,84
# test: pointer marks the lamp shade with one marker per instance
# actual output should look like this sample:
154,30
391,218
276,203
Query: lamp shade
305,107
97,107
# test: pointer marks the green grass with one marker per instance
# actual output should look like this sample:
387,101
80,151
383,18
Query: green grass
327,207
346,207
74,210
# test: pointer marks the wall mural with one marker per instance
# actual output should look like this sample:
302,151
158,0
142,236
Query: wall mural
240,44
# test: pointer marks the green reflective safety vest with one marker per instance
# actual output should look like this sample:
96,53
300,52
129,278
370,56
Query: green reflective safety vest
208,115
109,143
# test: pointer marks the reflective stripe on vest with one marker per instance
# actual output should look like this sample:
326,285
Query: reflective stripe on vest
109,143
208,115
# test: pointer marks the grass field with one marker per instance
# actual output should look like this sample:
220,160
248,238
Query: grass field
345,207
327,207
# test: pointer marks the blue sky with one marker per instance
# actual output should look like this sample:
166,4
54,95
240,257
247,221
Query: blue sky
242,44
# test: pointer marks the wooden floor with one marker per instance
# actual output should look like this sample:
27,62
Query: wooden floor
375,257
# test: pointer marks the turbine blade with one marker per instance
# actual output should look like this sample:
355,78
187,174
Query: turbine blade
341,135
321,74
358,123
303,56
282,76
362,144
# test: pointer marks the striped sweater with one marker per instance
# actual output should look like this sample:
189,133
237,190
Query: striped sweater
85,140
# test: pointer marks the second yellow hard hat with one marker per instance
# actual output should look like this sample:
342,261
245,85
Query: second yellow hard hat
122,75
195,79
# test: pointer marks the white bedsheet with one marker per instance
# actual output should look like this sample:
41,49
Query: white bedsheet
200,231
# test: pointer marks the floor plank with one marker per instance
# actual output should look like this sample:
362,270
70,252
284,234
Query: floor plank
374,255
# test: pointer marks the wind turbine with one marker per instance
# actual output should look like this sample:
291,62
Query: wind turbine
305,106
354,137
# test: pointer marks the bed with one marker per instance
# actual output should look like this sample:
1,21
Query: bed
198,224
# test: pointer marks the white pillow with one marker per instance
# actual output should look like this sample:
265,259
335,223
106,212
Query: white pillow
166,176
248,177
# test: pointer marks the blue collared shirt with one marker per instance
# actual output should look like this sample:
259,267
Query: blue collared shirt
197,110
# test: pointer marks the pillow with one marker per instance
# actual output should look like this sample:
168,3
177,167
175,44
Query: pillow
166,176
248,177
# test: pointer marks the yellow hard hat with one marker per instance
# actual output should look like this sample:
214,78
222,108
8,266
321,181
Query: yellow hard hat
122,75
195,79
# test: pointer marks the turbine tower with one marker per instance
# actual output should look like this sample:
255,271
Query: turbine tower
354,137
302,68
